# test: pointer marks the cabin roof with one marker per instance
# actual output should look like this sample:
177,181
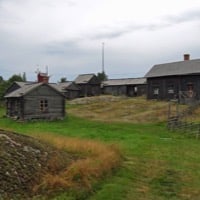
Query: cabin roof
26,88
125,81
65,85
84,78
20,84
187,67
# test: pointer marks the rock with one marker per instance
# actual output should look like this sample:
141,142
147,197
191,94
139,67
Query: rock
22,160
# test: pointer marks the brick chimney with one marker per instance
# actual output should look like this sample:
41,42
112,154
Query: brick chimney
186,57
42,77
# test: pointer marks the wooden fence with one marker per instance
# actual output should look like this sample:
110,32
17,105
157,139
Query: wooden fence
190,128
177,121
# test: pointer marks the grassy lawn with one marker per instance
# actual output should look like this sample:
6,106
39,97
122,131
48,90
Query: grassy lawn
158,165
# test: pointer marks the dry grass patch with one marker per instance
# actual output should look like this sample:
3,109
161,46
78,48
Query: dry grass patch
93,161
120,109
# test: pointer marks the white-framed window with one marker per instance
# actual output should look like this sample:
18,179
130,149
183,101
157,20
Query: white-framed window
156,91
170,89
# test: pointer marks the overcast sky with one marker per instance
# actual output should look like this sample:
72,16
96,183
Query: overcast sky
67,36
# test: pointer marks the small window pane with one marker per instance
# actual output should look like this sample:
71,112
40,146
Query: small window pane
156,91
43,105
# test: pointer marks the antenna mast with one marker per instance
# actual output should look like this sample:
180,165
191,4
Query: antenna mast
103,57
47,69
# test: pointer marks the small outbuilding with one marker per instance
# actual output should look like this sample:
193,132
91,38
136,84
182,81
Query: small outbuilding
29,100
69,89
89,85
174,80
128,87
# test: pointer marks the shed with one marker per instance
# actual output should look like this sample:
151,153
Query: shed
174,80
127,86
35,101
69,89
89,85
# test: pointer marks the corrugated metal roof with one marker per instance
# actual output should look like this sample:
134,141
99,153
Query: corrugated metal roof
125,81
84,78
175,68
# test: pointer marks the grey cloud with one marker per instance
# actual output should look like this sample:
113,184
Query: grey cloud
167,21
189,16
5,17
72,3
60,48
110,35
69,3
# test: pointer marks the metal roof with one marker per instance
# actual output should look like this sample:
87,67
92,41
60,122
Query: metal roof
84,78
125,81
175,68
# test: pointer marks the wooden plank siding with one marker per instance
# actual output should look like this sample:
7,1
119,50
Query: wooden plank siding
173,80
131,87
170,87
32,108
89,85
38,102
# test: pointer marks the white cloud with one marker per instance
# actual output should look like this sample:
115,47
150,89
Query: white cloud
66,35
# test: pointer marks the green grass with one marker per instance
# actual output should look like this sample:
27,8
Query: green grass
158,165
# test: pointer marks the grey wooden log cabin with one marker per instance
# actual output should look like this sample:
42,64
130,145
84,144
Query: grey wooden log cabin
175,80
26,101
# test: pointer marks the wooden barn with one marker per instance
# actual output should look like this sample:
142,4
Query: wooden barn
174,80
89,85
128,87
69,89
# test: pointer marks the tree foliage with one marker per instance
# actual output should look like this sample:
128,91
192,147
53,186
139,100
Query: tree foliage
15,78
63,80
4,84
102,76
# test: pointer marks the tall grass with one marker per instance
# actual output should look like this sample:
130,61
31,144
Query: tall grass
94,161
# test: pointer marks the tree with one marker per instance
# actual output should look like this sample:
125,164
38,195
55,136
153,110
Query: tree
102,76
3,87
24,77
1,79
14,78
63,79
5,84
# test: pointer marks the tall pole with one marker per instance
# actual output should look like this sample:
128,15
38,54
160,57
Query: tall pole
103,57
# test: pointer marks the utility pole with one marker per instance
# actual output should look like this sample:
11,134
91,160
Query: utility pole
103,57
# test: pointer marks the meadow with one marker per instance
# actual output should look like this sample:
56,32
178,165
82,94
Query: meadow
157,164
